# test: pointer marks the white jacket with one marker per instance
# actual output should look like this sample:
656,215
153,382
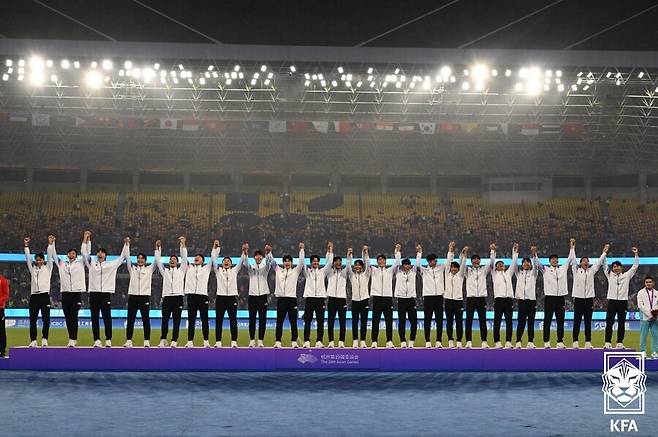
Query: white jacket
337,283
646,302
526,283
314,285
173,279
455,282
583,279
555,278
71,274
140,278
618,283
196,277
359,281
286,279
258,276
405,282
227,279
502,280
103,275
476,278
381,278
434,277
40,276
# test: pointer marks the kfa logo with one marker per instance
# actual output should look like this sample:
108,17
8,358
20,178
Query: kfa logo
623,425
624,383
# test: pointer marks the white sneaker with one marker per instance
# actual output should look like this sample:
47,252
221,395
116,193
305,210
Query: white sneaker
374,345
218,344
277,345
438,345
620,346
108,343
319,344
403,345
428,344
607,346
530,345
518,345
128,343
469,345
163,343
355,344
508,345
294,344
189,344
654,356
561,345
575,345
588,345
174,344
260,343
307,344
410,344
32,344
71,343
147,343
330,345
341,344
44,342
498,345
547,345
234,344
252,343
389,345
363,344
459,345
485,345
206,343
98,343
451,344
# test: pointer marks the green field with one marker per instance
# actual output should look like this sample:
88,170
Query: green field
59,337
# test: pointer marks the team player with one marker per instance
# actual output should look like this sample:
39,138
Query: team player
359,277
526,296
337,300
196,290
618,283
405,292
173,290
476,295
72,283
583,296
40,272
647,303
102,284
555,289
259,291
286,293
139,296
227,295
315,294
454,297
433,289
381,290
504,298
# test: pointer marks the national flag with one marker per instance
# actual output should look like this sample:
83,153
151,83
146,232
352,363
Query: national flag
490,128
91,121
255,125
364,126
448,128
342,127
151,122
551,129
469,128
297,126
574,129
211,125
18,117
427,128
131,123
40,120
277,126
384,125
169,123
406,128
321,126
530,129
191,124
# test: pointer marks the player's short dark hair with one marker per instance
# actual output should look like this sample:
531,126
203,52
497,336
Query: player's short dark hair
314,258
287,258
381,255
39,255
203,258
143,255
649,277
454,264
553,255
338,258
499,262
358,262
227,258
72,250
616,263
406,262
258,252
475,256
431,257
525,258
583,258
102,249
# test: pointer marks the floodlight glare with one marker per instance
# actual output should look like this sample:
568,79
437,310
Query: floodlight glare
65,64
93,79
106,64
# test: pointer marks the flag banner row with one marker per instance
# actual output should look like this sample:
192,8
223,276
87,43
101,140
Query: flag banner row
287,126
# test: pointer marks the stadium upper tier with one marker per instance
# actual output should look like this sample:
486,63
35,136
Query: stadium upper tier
351,219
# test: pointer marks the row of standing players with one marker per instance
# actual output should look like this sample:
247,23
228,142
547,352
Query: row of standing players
326,287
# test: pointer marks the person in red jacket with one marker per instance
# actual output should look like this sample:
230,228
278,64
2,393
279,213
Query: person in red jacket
4,297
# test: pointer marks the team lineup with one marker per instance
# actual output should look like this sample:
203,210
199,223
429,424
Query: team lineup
373,288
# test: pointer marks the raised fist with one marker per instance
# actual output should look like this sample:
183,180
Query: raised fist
419,248
572,242
606,248
533,250
158,244
492,246
515,247
26,241
398,247
451,246
349,252
51,239
215,244
634,250
126,240
365,249
268,249
87,234
301,245
330,247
